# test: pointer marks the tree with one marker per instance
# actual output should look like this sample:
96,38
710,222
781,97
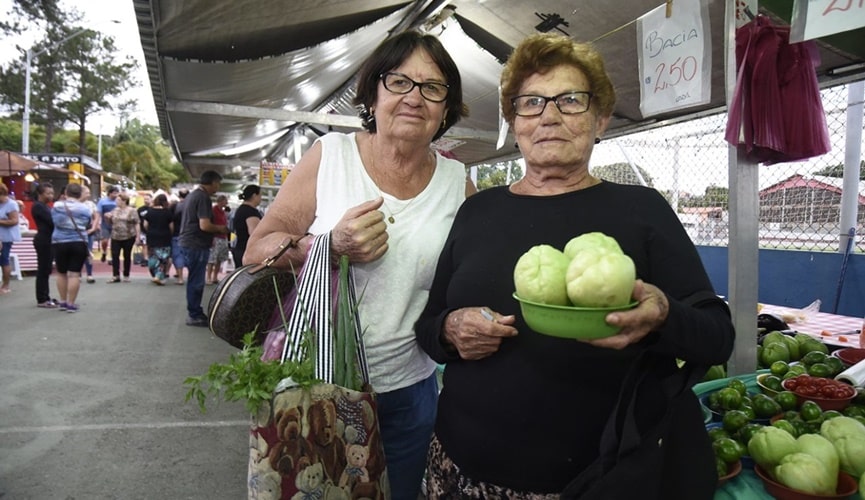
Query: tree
137,151
622,173
97,81
28,12
838,171
497,174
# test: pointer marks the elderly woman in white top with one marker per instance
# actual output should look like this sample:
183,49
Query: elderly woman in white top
388,200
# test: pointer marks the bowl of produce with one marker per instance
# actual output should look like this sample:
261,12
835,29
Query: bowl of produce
733,470
773,387
846,486
849,355
829,394
569,321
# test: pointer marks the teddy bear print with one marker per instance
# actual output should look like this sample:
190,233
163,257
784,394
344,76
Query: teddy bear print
355,471
310,483
264,483
292,451
327,445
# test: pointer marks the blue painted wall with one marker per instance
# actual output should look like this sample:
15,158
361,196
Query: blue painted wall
796,278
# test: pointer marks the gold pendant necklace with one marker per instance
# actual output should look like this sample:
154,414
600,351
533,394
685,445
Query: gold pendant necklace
392,217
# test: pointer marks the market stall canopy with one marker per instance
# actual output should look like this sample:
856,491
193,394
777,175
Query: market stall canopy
13,164
236,82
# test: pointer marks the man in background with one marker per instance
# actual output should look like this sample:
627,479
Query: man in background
196,238
176,253
219,252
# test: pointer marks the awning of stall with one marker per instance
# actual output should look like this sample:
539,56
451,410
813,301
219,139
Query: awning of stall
236,82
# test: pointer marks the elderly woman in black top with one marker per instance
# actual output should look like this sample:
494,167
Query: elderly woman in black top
522,414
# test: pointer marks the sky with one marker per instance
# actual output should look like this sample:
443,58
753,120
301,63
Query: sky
98,16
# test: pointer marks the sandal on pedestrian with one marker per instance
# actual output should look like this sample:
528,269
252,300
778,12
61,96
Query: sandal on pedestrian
47,305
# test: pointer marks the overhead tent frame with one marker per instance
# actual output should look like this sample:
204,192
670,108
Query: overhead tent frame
482,34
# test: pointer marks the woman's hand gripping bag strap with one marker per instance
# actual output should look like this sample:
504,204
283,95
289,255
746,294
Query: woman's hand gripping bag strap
320,439
643,451
244,300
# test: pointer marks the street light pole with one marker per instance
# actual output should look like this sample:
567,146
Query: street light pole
25,119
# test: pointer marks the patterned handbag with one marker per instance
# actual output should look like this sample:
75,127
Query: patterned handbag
244,300
320,441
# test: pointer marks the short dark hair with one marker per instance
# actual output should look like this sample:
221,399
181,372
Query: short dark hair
393,52
249,191
113,189
73,191
209,177
183,193
40,187
161,200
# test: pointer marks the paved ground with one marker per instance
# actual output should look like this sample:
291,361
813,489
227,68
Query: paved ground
92,403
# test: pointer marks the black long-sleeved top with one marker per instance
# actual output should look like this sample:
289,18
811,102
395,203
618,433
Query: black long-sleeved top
44,223
530,416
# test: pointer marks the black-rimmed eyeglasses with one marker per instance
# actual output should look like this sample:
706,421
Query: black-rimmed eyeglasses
569,103
398,83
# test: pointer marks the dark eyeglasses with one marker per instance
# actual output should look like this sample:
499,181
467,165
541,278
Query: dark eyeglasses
398,83
569,103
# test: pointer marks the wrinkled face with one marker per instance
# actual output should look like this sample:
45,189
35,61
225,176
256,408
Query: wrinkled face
554,139
410,116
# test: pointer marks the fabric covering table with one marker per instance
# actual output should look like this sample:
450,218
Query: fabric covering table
746,485
832,329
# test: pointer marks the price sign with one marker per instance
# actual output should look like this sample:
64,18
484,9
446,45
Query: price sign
272,174
817,18
675,57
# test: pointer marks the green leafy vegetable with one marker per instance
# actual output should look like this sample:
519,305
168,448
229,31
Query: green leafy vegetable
246,377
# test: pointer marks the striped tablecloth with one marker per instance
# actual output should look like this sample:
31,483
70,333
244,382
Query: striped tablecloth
832,329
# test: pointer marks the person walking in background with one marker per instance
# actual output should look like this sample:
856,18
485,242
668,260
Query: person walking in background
105,205
196,238
158,228
177,259
92,231
388,200
246,219
9,234
125,233
41,213
69,241
219,251
147,200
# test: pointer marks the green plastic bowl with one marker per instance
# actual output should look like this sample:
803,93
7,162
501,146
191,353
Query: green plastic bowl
570,322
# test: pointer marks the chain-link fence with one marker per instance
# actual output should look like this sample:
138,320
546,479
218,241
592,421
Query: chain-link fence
800,203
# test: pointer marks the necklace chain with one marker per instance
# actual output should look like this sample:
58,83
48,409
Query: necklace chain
392,217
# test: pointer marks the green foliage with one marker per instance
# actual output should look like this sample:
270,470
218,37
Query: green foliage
838,171
497,174
623,173
246,377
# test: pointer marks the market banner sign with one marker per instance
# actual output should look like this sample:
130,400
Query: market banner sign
675,57
818,18
272,174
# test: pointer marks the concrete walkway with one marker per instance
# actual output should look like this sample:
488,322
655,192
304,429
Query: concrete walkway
92,403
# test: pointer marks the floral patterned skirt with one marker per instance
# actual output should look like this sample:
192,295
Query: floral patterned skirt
444,481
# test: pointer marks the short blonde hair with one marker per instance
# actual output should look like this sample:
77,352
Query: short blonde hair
540,53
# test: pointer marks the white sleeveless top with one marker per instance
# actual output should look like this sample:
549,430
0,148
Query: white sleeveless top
393,290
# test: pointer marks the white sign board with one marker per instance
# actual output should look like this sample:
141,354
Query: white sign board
675,57
817,18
